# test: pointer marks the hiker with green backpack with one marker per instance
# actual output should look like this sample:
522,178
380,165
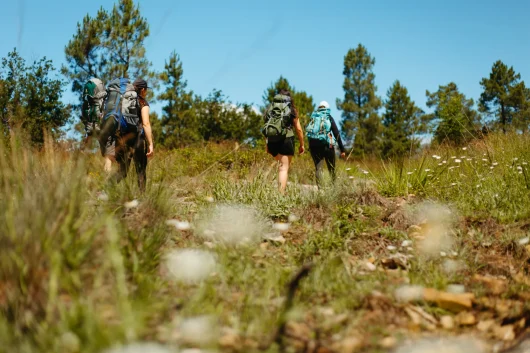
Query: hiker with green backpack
323,134
281,117
126,119
94,95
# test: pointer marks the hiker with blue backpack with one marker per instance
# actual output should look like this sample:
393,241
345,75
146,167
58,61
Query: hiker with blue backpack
281,118
323,134
126,119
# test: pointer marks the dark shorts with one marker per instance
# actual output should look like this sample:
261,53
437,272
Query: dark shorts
285,147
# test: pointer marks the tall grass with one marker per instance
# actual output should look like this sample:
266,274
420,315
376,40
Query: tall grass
80,272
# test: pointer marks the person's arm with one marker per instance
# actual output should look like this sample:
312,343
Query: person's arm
147,129
300,134
336,133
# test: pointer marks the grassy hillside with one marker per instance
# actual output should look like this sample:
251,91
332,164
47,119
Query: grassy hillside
207,258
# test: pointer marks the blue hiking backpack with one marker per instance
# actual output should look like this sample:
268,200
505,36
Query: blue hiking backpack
121,106
319,127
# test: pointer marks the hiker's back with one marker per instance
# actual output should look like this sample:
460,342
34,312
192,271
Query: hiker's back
94,94
122,106
319,127
278,119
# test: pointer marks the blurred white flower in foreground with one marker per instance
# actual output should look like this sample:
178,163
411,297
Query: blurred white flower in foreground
409,293
199,331
293,218
141,348
443,345
232,224
180,225
103,196
190,265
131,204
436,224
281,226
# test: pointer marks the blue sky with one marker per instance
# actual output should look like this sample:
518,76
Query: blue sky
243,46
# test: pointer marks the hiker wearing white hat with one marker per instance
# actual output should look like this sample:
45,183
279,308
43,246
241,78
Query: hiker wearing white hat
323,134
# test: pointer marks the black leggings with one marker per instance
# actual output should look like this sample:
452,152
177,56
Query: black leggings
132,146
320,150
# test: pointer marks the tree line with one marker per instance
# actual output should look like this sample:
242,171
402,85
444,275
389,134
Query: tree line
112,44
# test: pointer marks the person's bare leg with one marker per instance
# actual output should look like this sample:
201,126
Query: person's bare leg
108,165
283,172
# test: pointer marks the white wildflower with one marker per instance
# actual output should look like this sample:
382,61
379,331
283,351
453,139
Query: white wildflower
190,265
457,161
391,248
524,163
348,169
495,164
198,331
140,347
524,241
439,221
103,197
184,225
427,170
519,167
232,224
453,184
131,204
444,162
443,345
409,173
209,199
293,218
365,172
484,159
453,157
406,243
464,148
351,177
516,159
409,293
281,226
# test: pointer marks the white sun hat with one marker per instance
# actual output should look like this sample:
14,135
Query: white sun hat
324,104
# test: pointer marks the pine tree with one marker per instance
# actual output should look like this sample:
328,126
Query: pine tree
179,123
402,123
454,119
501,93
361,123
108,46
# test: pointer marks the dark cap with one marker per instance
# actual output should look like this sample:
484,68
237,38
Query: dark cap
140,83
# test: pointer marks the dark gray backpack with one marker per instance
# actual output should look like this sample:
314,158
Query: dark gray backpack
122,106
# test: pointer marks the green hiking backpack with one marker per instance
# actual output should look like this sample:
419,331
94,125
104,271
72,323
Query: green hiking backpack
277,125
319,127
94,94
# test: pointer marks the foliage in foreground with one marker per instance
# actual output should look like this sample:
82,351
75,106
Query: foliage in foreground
82,268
